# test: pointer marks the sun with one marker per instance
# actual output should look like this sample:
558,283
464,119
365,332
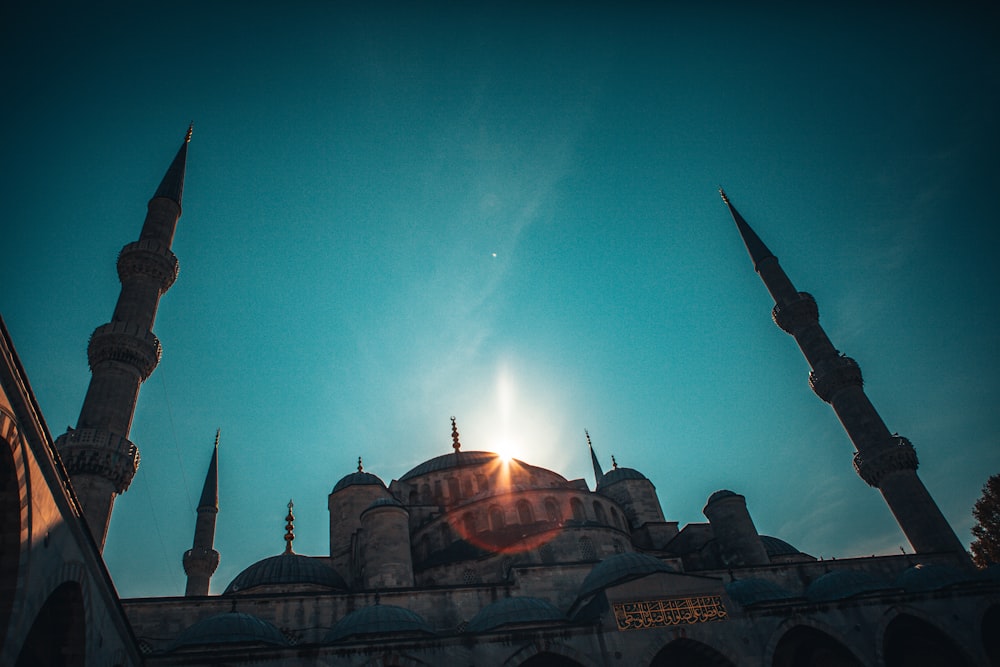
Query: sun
505,449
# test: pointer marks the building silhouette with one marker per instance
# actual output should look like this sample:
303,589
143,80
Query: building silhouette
468,558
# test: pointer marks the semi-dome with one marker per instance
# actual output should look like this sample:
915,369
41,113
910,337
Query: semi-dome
230,628
457,459
777,547
359,478
755,590
287,568
929,577
378,619
510,611
619,569
843,584
384,502
619,475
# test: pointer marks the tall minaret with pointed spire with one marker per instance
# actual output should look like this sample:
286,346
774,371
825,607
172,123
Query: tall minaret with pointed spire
98,455
598,473
201,560
886,461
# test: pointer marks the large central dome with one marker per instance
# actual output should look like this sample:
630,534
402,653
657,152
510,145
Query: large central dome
453,460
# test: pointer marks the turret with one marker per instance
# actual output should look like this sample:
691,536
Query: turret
884,460
349,498
98,455
737,537
201,560
386,561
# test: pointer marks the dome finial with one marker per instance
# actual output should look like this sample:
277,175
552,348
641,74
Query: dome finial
187,137
361,468
455,443
218,432
614,464
289,535
722,193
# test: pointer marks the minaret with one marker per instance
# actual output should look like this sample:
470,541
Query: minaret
98,455
886,461
598,473
201,560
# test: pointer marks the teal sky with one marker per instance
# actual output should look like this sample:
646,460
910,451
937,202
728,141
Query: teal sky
399,213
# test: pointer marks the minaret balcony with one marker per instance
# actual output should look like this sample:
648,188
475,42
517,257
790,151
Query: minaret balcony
94,451
832,375
200,561
795,315
898,455
149,259
124,343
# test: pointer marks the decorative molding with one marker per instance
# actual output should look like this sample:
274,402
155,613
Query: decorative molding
874,466
832,375
151,259
795,315
669,611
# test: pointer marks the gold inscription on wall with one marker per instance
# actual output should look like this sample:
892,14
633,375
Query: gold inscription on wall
672,611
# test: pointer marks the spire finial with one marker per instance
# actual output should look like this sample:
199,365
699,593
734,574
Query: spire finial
598,472
722,193
361,468
589,443
289,528
455,443
187,137
218,432
614,464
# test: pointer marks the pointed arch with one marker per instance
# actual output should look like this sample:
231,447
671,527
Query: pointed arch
805,646
913,642
58,634
690,653
13,517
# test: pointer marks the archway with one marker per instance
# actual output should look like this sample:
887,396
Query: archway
991,634
689,653
57,637
10,531
808,647
911,642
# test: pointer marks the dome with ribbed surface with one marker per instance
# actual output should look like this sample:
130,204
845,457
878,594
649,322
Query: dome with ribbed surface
511,611
379,619
288,569
843,584
619,475
454,460
927,577
621,568
754,590
359,478
230,628
777,547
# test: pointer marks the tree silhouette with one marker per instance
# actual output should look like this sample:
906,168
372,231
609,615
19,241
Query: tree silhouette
986,547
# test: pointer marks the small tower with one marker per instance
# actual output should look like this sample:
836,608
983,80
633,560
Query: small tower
386,560
201,560
98,455
884,460
736,535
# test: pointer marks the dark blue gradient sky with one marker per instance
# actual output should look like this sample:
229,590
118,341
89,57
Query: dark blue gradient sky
403,212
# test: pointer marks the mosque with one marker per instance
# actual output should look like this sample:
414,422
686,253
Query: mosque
468,558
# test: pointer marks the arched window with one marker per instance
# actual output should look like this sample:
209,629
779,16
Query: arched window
58,633
496,518
803,645
453,489
425,494
468,525
552,512
602,518
438,495
912,641
445,533
619,549
587,551
524,514
482,484
576,505
467,491
413,497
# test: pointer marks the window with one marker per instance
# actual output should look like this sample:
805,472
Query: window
552,512
524,514
602,518
587,551
496,518
453,489
467,491
469,524
577,507
616,518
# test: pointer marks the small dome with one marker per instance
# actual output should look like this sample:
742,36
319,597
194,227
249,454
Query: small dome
286,569
754,590
454,460
620,475
621,568
926,577
510,611
230,628
379,619
359,478
777,547
720,494
843,584
384,502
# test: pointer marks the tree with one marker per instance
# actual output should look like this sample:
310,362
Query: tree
986,547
